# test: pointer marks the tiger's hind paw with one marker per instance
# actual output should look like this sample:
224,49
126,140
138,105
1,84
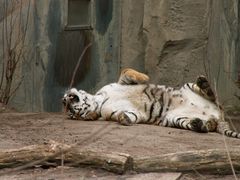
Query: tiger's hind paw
124,119
211,125
198,125
130,76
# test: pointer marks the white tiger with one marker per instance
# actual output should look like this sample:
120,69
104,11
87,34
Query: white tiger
132,100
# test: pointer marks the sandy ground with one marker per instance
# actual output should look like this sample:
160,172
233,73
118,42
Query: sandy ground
22,129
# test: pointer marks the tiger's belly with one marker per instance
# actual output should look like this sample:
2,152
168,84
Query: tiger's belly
125,97
151,107
194,105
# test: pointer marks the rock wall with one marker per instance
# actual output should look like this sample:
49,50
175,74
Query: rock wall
180,39
222,58
133,41
172,41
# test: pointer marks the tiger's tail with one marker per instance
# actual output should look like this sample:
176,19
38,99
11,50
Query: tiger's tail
223,128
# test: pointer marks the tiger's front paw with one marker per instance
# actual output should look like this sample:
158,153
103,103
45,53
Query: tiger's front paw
91,116
205,87
198,125
71,116
124,119
202,82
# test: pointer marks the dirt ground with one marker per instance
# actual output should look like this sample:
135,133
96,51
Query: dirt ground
23,129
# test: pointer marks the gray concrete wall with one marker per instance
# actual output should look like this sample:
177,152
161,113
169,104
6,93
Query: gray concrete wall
100,64
52,54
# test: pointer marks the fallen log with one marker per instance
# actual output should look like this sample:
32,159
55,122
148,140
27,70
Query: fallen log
50,153
208,161
114,162
30,155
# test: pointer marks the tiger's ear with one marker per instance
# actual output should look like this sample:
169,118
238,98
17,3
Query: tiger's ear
72,91
82,91
131,76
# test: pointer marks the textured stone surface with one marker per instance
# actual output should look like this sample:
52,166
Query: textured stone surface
176,38
173,36
181,39
222,56
132,43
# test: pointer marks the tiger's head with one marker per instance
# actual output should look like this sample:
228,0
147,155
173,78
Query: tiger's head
78,103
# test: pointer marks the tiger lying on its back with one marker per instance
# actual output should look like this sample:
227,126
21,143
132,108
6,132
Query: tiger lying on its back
132,100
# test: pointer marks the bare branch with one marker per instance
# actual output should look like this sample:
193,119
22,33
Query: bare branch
16,88
27,19
13,45
11,29
3,51
78,63
6,23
